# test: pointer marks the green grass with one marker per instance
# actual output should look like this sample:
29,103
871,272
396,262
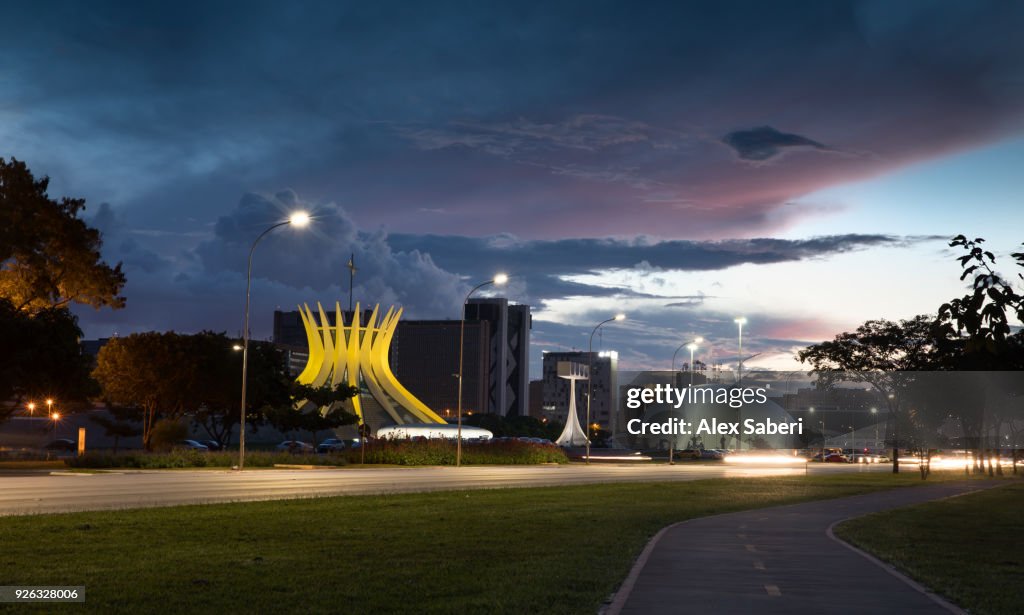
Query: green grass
969,548
543,550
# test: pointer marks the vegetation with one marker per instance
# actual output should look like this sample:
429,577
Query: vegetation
442,452
969,549
186,458
154,376
397,452
966,334
41,359
51,258
543,550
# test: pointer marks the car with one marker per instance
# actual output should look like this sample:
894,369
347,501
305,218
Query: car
331,445
836,458
710,453
61,444
295,447
191,445
213,445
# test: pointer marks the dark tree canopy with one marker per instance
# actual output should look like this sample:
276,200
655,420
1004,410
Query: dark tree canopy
50,257
40,358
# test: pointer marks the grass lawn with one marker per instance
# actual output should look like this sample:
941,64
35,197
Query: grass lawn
541,550
969,548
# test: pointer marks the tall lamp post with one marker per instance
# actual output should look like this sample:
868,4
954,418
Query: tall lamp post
590,372
693,347
739,357
498,280
875,411
697,340
822,423
299,219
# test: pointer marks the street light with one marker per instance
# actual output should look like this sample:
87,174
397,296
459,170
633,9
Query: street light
298,219
822,423
739,364
875,411
692,348
498,280
49,405
590,371
56,417
31,408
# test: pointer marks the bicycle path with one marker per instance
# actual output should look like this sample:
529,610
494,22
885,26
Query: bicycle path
779,560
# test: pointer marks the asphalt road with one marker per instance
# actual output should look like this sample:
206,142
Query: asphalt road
45,492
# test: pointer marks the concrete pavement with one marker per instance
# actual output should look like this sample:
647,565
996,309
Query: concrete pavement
43,492
777,560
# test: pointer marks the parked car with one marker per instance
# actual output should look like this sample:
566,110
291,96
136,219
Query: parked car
192,445
331,445
61,444
213,445
836,458
295,447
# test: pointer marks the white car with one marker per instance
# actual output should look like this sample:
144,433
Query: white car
295,447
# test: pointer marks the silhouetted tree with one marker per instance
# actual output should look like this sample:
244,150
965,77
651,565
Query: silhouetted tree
51,258
41,358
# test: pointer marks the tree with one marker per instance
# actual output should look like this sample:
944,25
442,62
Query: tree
880,353
313,409
983,316
121,423
41,359
148,371
169,375
51,258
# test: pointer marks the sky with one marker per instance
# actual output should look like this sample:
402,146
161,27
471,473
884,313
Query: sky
802,164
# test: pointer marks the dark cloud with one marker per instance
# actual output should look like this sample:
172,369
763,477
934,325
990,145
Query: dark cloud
545,122
587,255
765,142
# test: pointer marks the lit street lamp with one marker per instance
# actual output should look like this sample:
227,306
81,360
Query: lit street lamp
692,346
49,405
822,423
31,408
498,280
739,363
875,411
590,371
299,219
56,417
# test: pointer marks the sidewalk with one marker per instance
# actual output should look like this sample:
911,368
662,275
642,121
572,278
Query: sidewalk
777,560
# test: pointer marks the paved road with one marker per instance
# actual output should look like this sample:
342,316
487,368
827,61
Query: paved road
776,560
43,492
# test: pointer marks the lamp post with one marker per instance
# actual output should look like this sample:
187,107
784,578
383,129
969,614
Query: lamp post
590,371
49,405
31,408
739,357
693,346
822,423
56,417
299,219
498,280
875,411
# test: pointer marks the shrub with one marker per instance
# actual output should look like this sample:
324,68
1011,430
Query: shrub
443,452
166,433
187,458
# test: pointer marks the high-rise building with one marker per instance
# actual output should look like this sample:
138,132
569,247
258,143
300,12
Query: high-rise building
603,408
425,359
509,371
